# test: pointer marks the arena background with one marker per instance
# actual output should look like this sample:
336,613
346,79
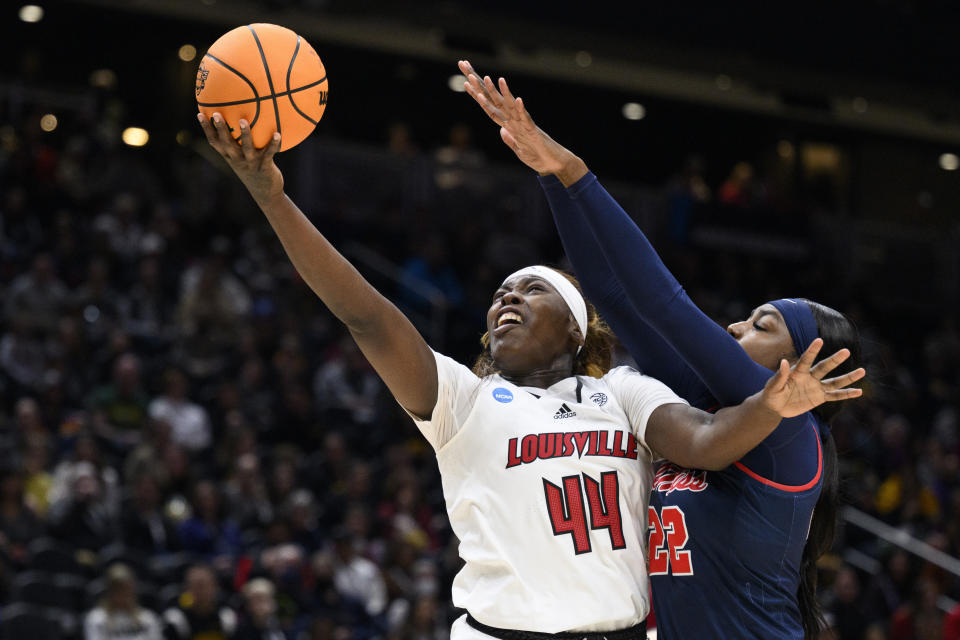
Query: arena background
173,394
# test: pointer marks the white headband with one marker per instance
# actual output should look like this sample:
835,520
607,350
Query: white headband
567,291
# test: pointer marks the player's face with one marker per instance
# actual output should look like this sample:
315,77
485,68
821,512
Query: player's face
764,336
530,326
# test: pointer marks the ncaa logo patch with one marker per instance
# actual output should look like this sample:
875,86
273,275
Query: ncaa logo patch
599,399
502,395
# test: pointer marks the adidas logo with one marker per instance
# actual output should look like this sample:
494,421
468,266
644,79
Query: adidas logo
564,412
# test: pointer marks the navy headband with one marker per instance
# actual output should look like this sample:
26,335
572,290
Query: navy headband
800,322
803,330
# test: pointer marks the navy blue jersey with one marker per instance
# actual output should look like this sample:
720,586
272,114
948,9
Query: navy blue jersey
724,547
724,553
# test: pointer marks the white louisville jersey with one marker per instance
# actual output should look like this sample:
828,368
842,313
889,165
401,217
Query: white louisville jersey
547,490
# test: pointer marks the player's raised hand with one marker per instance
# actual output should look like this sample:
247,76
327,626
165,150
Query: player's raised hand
535,148
794,390
255,167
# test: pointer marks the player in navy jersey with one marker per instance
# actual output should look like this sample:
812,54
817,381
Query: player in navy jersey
544,452
732,550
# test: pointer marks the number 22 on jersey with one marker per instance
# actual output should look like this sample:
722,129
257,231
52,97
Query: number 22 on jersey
668,537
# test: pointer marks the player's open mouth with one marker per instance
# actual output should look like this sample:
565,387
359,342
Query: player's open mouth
507,320
509,317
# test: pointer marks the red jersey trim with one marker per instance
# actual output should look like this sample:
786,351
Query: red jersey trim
789,487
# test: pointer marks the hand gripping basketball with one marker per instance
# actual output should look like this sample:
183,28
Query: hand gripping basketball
255,167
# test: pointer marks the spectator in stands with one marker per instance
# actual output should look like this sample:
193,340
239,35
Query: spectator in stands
21,355
296,420
36,298
178,479
199,613
846,609
409,576
86,450
213,303
300,513
327,598
356,578
260,606
891,588
81,517
741,188
346,386
22,229
120,408
246,494
283,475
19,525
120,225
118,616
153,443
146,311
69,354
921,618
458,160
423,622
405,510
189,421
430,265
38,480
143,524
28,418
685,192
210,531
286,566
258,399
97,302
400,141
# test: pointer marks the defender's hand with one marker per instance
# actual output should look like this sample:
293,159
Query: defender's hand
535,148
798,389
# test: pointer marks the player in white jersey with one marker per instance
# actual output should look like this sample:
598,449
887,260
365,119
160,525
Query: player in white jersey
544,454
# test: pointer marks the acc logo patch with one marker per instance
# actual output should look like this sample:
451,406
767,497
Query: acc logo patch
502,395
599,399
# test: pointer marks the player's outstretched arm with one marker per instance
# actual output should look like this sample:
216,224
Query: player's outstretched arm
532,145
387,338
559,168
699,440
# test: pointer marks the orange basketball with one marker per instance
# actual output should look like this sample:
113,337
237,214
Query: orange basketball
269,76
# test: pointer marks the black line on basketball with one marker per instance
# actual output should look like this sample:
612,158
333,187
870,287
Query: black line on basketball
232,103
293,58
256,99
290,93
266,67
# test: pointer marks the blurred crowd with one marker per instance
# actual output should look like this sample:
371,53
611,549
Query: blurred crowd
192,447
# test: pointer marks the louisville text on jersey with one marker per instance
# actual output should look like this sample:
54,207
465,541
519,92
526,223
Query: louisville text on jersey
543,446
670,477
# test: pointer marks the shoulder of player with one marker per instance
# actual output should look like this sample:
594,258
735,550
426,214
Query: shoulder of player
624,374
448,367
627,380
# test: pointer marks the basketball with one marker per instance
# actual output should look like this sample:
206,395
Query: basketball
268,75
